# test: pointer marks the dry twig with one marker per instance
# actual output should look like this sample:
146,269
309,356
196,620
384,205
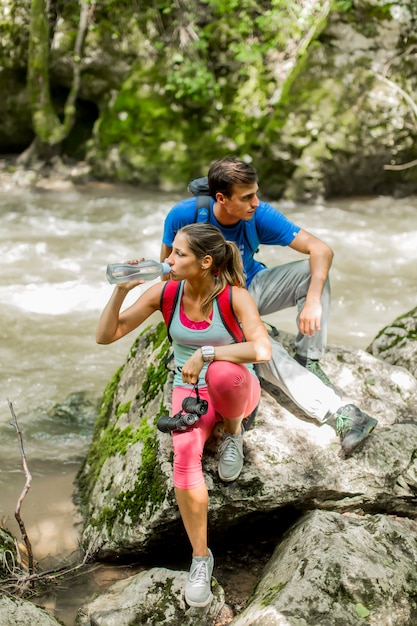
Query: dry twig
24,491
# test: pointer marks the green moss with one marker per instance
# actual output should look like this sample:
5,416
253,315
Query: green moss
158,611
123,409
271,594
113,441
394,339
107,403
149,490
157,373
110,440
95,458
361,610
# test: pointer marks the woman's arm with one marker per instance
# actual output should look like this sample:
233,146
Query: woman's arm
257,347
113,325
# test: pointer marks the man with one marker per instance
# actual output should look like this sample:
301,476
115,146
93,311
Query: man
236,210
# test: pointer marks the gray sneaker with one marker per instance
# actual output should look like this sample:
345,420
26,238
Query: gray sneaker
231,457
198,587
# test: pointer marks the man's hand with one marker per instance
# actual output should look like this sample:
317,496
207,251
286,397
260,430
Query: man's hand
309,321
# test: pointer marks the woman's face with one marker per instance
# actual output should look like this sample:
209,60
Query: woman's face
183,262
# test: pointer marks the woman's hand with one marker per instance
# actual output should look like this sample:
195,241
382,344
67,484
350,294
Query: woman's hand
192,367
131,284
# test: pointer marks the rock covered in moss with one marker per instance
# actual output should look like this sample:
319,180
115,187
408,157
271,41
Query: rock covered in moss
338,569
152,597
397,342
126,481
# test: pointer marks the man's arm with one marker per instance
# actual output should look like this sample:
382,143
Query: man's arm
321,256
165,252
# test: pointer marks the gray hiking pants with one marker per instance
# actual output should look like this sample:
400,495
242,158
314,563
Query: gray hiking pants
278,288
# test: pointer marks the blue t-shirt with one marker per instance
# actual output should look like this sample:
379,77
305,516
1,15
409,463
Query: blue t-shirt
272,226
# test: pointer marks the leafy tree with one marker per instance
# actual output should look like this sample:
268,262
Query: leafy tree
49,130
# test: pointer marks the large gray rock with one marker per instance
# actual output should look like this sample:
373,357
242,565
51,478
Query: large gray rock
17,612
397,342
149,598
126,482
339,569
329,569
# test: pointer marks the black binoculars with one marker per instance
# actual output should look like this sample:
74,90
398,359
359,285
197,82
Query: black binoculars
192,410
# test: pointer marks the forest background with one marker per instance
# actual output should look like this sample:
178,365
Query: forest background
319,94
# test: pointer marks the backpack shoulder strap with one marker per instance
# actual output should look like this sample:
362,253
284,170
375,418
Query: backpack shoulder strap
169,299
228,315
202,209
200,189
251,235
168,302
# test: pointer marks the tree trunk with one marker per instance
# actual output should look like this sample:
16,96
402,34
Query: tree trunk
49,130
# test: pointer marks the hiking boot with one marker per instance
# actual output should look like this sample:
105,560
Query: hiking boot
198,587
353,426
313,366
231,457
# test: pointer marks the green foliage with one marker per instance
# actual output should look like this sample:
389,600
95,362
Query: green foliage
210,89
362,611
344,5
190,80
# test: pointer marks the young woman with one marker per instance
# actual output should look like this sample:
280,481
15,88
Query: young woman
205,354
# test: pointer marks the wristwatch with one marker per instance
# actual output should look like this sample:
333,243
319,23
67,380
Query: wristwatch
208,353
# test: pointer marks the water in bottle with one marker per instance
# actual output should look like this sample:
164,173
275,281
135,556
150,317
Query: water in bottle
145,270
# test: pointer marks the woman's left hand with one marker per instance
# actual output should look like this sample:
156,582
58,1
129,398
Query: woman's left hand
192,367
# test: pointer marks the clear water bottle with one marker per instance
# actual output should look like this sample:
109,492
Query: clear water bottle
145,270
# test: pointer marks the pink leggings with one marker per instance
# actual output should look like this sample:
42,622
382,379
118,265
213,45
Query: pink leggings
232,392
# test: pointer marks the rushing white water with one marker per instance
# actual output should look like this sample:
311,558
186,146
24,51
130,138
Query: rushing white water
54,250
55,247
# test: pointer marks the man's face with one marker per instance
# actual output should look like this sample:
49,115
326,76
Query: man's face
242,203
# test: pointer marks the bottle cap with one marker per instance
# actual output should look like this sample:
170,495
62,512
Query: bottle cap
166,268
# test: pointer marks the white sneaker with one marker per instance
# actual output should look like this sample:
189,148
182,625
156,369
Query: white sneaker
231,457
198,587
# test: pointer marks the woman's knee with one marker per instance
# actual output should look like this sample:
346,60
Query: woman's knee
224,376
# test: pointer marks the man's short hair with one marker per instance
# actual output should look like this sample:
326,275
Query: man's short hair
229,171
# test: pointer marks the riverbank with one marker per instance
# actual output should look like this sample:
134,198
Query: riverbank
60,175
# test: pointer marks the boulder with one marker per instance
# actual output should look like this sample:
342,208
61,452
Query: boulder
151,597
397,342
126,481
329,568
18,612
339,569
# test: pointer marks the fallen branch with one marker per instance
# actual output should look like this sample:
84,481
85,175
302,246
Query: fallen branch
404,166
24,491
15,582
406,96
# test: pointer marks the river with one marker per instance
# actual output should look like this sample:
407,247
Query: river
55,246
